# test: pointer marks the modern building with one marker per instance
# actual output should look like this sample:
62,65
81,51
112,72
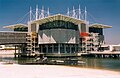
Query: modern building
59,35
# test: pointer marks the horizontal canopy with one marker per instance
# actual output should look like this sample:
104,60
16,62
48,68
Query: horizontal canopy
15,26
100,26
58,17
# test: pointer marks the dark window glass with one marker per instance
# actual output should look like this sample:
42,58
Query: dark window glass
22,29
62,48
96,30
50,48
58,24
67,49
55,48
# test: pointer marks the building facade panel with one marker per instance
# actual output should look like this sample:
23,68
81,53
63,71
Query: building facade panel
12,38
57,36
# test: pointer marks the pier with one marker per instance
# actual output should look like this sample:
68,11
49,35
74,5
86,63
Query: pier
102,54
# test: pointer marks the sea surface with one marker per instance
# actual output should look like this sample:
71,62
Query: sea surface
84,62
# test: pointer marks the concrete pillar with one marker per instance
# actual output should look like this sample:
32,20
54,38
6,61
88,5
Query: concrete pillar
41,49
15,51
46,48
75,48
117,55
58,48
65,48
29,27
102,55
79,27
96,55
37,27
70,49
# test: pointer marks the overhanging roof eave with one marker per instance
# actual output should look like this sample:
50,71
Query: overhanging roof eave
15,26
100,26
59,17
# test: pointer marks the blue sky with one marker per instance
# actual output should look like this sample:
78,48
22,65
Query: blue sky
99,11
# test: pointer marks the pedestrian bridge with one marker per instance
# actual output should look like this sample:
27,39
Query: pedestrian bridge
12,37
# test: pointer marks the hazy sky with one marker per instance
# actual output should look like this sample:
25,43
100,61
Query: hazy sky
99,11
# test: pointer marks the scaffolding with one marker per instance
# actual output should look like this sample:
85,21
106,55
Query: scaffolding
32,45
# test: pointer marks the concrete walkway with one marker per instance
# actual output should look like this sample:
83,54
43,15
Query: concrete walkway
53,71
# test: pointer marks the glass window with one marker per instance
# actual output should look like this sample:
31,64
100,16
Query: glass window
62,48
96,30
67,49
58,24
50,48
56,48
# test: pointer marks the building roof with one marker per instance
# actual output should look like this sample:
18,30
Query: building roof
15,26
59,17
100,26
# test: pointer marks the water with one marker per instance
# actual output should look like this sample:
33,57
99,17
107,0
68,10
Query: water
96,63
103,63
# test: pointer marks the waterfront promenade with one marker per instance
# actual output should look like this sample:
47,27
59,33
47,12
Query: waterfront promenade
53,71
106,54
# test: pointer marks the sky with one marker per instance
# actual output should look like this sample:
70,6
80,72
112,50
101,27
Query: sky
99,11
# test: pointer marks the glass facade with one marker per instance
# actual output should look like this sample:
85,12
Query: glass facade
58,48
58,24
21,29
96,30
58,37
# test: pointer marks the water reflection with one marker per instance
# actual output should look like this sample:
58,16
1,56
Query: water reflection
103,63
99,63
